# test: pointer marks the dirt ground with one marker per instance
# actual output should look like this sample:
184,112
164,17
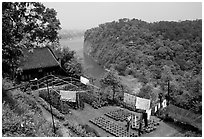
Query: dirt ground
83,117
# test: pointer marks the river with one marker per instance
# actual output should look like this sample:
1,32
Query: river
90,67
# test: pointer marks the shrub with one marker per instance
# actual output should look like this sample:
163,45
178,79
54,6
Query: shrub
192,134
55,112
55,101
25,119
80,130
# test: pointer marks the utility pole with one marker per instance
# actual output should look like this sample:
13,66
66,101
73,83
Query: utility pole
51,107
168,92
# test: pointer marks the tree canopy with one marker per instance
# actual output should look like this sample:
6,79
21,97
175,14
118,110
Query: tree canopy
154,53
26,25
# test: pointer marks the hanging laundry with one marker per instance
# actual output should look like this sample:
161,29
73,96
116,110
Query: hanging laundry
148,113
84,80
68,95
129,118
142,103
155,109
158,105
135,120
164,103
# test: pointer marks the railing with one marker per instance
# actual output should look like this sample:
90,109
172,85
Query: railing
49,80
52,80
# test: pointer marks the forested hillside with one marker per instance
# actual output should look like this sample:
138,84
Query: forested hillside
154,53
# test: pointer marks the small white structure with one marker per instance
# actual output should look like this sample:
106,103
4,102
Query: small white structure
84,80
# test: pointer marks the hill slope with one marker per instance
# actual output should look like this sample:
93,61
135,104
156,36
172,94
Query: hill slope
21,116
153,53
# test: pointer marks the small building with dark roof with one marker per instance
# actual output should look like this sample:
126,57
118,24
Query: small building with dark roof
38,62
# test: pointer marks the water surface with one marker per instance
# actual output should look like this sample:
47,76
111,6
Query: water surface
90,67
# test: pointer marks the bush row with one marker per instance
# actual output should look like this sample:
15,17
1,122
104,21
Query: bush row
55,101
55,112
93,100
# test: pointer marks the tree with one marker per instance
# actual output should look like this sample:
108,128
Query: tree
73,67
69,62
110,79
161,52
25,25
166,74
65,54
145,92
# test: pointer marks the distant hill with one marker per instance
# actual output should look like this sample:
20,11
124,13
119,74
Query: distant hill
154,53
70,34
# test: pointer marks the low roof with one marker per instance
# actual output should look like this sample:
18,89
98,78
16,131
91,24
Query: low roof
38,58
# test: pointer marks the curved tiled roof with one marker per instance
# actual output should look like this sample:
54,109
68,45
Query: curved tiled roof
38,58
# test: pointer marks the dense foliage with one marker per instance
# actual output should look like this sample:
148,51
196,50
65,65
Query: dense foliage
155,53
110,79
25,25
69,62
21,115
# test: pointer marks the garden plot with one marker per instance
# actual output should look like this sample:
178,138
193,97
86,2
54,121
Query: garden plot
84,116
121,115
112,127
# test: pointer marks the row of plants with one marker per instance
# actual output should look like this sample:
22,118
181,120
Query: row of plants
118,115
78,129
111,127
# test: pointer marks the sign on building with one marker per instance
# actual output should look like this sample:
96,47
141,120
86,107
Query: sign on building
129,99
84,80
68,95
142,103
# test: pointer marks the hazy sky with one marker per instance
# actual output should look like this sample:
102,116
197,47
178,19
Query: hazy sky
84,15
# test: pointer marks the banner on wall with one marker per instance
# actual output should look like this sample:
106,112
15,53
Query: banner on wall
68,95
142,103
129,99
